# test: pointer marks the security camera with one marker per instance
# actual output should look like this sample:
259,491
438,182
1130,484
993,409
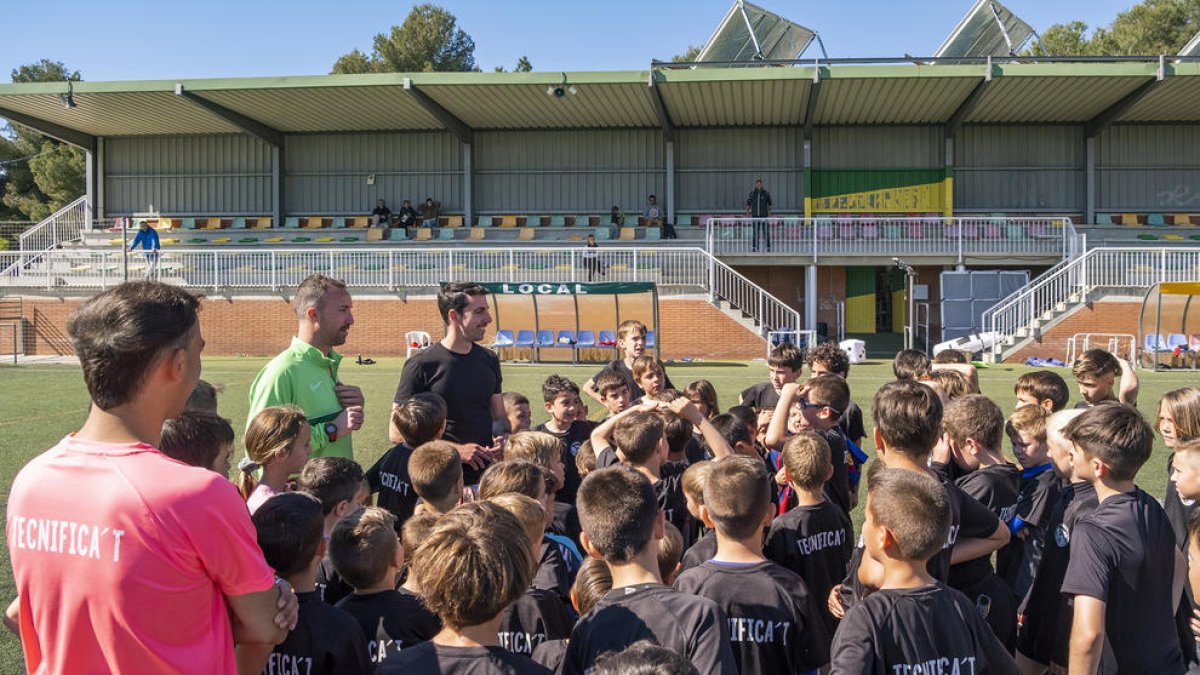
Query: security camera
559,92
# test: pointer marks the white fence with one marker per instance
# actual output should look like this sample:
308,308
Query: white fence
675,270
894,236
1097,268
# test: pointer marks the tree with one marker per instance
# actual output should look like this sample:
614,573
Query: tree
429,40
1148,28
523,65
47,174
688,56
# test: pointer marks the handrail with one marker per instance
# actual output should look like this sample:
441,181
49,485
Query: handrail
893,235
65,224
1102,267
397,267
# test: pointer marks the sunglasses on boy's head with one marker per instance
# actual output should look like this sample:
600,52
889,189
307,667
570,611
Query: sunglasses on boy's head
805,404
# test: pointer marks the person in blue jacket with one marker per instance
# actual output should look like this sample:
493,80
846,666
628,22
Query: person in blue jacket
147,238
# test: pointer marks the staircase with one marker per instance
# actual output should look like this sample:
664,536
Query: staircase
741,318
1027,314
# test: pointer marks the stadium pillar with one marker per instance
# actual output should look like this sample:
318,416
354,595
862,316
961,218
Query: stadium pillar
467,184
810,298
670,182
100,207
277,185
1089,183
806,159
948,180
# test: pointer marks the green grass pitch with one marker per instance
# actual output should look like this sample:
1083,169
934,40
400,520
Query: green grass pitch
42,403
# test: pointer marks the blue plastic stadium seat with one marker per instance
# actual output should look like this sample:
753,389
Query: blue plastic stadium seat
1155,343
607,340
587,339
504,338
566,338
545,339
650,341
1177,340
525,338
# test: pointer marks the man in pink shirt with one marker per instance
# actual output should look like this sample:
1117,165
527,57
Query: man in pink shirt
126,560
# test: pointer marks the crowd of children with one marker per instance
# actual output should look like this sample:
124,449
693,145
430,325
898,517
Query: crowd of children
676,536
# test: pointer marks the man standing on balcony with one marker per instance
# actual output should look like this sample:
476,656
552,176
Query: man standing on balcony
758,207
147,237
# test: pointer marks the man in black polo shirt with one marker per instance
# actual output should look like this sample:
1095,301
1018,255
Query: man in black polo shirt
465,375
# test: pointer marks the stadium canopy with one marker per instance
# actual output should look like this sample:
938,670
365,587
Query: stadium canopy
750,33
988,29
1192,48
967,91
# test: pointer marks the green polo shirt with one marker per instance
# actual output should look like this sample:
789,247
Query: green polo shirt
302,376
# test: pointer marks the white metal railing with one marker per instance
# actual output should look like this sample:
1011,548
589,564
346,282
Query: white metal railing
771,313
675,269
894,236
65,224
1070,281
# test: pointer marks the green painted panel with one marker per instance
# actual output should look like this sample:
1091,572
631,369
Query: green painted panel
860,281
830,182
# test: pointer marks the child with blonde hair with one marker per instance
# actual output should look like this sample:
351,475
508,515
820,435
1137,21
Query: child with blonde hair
276,442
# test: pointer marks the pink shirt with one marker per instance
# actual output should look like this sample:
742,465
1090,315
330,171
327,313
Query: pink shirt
258,496
123,558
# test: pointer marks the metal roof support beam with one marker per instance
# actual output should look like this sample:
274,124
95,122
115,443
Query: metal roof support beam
660,110
1110,115
272,137
55,131
810,111
452,124
969,103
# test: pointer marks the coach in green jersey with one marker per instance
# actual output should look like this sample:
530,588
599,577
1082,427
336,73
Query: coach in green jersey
306,373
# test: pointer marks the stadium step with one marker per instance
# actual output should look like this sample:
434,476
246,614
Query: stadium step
738,316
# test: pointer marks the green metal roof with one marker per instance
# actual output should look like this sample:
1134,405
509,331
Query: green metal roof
849,94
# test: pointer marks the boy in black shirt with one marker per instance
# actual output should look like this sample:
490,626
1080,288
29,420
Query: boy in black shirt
1125,570
613,392
326,640
1096,371
591,584
631,341
476,561
912,623
786,364
419,420
822,400
774,621
367,554
974,427
562,402
538,615
436,477
1017,563
516,409
338,483
704,547
1045,628
421,620
649,375
815,539
908,421
1042,388
622,524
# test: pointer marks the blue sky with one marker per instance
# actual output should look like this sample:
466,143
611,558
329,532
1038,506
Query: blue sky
143,40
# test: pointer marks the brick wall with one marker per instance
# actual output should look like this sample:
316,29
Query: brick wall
262,326
1118,315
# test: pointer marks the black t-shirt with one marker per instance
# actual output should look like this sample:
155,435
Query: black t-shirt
851,423
1123,553
535,617
1046,627
381,211
550,654
1018,561
572,438
433,658
761,395
995,487
330,586
392,621
467,382
1177,508
389,477
325,641
690,625
837,488
551,574
773,619
815,542
700,552
671,500
635,392
933,629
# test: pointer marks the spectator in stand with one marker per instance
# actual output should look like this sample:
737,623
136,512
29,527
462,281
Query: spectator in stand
616,218
147,237
430,211
758,207
382,215
655,214
406,217
591,257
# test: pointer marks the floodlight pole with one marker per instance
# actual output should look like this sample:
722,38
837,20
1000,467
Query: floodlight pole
910,319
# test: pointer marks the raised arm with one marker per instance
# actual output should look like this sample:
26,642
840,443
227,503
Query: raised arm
716,442
777,430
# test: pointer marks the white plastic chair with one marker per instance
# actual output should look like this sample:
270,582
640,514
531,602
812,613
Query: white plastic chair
416,340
